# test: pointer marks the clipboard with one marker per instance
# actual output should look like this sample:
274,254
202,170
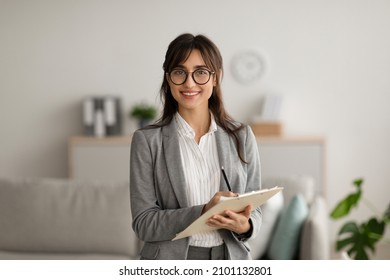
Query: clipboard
236,204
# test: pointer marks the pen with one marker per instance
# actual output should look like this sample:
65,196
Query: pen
226,180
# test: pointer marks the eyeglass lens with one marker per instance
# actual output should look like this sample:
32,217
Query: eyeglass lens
200,76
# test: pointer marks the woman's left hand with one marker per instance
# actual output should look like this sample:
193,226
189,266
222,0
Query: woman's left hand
237,222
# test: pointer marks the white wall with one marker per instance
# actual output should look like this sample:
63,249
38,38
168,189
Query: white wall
330,60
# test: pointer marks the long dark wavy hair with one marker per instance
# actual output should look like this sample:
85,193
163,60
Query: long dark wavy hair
178,51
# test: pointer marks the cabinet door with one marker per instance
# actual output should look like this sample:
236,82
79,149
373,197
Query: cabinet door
99,160
293,158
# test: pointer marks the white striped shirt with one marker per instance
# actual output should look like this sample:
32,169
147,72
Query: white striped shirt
202,172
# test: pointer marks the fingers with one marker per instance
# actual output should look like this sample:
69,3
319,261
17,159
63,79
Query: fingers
215,199
247,211
225,193
237,222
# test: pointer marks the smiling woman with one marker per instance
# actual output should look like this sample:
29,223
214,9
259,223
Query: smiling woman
175,168
192,92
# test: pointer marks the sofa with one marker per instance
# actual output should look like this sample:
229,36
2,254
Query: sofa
65,219
47,218
295,222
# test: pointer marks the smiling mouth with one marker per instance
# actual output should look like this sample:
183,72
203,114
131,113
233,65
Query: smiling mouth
190,93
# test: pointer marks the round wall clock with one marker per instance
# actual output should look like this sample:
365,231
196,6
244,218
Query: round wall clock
247,66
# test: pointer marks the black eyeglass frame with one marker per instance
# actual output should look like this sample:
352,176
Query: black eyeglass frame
192,75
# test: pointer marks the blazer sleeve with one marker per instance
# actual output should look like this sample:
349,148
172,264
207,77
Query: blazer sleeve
253,179
151,220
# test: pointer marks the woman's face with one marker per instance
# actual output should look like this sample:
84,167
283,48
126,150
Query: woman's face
191,96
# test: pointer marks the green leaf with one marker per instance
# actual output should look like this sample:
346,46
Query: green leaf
344,206
358,183
373,231
386,216
349,227
358,239
361,255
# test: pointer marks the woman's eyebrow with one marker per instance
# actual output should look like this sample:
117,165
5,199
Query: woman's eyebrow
195,67
201,66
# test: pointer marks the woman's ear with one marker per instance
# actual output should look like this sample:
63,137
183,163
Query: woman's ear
216,76
167,78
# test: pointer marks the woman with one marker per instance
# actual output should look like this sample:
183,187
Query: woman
175,165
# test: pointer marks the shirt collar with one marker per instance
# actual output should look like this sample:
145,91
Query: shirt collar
185,129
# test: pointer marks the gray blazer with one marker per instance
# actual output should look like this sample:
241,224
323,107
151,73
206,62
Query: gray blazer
159,204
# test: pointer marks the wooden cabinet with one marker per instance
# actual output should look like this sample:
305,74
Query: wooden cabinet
284,156
102,159
107,159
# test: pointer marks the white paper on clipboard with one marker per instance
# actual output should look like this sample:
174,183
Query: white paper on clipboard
236,204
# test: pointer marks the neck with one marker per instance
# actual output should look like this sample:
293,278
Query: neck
199,121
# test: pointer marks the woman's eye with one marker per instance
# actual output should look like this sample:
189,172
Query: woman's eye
178,72
202,72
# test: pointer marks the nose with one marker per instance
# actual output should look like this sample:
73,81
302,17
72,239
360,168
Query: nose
190,80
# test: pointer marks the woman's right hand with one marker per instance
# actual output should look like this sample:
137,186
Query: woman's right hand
215,199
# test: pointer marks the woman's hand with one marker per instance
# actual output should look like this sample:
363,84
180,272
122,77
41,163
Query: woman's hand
215,199
237,222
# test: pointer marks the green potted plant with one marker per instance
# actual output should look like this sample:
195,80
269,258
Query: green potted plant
144,113
357,238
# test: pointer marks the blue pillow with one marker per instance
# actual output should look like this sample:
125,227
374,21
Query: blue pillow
285,242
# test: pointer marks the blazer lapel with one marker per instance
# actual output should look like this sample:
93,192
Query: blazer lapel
173,160
223,148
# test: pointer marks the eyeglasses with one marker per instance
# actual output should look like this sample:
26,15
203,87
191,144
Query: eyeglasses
200,76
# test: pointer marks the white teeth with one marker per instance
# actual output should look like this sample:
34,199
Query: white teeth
190,93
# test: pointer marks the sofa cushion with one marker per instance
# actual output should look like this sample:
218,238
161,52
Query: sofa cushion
271,210
60,256
315,236
58,215
285,242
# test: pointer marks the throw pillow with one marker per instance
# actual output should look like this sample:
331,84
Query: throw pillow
285,242
270,213
315,236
